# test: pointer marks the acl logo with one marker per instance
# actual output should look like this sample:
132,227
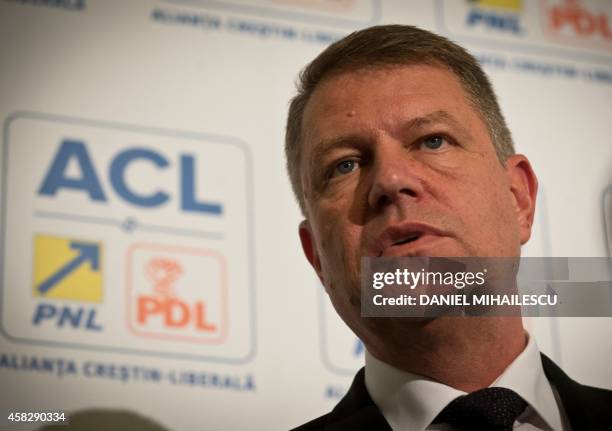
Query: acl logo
177,293
142,239
88,181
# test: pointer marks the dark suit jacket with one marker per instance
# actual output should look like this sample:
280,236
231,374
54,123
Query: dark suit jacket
587,408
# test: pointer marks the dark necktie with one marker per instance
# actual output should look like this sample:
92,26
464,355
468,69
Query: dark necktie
493,409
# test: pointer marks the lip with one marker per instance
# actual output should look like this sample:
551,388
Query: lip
387,242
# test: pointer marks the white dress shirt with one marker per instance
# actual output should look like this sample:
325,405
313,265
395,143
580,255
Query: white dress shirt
411,402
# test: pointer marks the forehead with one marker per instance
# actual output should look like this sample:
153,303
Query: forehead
379,99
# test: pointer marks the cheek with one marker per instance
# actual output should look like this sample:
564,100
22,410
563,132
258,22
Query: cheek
493,219
339,248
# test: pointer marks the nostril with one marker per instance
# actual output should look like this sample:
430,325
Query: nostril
383,201
409,192
387,198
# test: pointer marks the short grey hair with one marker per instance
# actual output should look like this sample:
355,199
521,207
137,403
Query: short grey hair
387,46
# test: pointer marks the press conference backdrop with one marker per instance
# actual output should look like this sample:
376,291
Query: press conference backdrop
149,250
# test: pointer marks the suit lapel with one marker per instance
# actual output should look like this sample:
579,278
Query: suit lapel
570,393
357,411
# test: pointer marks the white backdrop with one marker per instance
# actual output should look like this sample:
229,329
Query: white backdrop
150,258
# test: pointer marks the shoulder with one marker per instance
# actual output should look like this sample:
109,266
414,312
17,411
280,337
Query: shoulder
583,404
367,418
316,424
356,411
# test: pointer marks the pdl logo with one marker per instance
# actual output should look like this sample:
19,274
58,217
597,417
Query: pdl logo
578,21
497,15
177,293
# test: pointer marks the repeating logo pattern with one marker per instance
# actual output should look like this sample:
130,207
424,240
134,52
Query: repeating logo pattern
553,26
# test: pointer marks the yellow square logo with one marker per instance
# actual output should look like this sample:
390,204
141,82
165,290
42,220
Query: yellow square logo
513,5
67,268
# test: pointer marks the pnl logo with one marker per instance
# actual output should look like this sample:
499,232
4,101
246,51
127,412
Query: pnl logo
126,238
177,293
579,22
67,268
497,19
496,15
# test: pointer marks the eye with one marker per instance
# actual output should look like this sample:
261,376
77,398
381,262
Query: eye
345,167
433,142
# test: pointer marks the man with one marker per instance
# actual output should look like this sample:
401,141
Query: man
396,146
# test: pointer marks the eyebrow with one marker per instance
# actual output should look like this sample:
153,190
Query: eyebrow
439,116
322,148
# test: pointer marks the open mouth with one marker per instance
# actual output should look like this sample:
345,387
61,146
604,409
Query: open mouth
409,239
397,239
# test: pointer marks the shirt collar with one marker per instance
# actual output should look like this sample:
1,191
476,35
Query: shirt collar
411,401
406,400
525,376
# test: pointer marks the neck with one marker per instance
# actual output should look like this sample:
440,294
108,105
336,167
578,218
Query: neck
465,353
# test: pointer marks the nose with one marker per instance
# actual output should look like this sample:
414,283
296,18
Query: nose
394,176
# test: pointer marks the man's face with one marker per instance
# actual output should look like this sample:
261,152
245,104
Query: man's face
397,162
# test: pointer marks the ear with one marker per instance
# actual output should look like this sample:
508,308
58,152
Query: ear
524,189
310,249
